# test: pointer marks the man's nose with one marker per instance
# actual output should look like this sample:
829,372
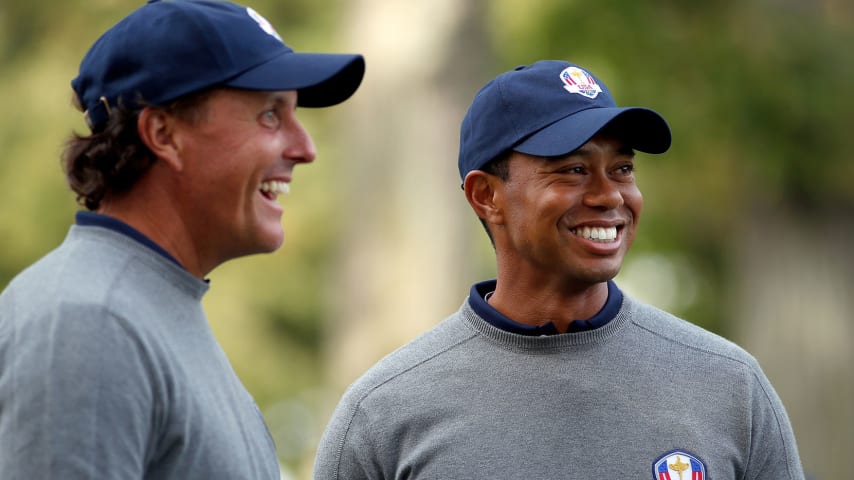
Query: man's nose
603,192
299,145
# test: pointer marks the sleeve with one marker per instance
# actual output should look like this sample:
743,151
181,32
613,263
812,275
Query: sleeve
75,400
773,450
346,450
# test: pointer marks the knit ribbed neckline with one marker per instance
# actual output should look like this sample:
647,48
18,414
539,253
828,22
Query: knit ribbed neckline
546,343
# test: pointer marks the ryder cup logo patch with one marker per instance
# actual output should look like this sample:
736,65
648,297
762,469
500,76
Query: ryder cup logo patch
678,465
576,80
264,24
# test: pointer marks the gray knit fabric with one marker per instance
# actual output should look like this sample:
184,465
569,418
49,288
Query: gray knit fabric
109,370
469,401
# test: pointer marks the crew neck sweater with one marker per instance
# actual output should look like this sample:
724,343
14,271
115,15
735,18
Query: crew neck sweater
468,400
109,369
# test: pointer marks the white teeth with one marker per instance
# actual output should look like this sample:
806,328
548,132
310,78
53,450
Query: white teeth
597,234
275,187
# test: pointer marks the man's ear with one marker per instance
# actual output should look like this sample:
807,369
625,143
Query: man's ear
156,129
484,193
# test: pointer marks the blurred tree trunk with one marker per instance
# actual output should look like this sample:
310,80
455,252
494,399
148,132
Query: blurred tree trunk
407,263
794,305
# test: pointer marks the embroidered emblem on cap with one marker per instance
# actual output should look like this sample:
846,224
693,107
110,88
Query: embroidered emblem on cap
264,24
678,465
578,81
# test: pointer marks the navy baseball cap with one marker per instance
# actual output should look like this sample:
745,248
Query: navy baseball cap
170,48
549,109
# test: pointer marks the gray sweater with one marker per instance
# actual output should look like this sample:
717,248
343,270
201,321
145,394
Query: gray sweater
647,396
109,370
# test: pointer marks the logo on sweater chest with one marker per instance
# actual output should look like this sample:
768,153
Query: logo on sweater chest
678,465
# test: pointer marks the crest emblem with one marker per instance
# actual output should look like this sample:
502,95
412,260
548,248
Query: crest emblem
576,80
264,24
678,465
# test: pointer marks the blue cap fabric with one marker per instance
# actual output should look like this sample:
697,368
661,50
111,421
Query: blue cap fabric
549,109
170,48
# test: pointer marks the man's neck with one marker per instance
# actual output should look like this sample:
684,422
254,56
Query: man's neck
536,306
160,224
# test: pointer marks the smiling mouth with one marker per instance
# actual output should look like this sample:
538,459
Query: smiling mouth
273,188
596,234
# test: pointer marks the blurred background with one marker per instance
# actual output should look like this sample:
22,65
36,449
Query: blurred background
748,223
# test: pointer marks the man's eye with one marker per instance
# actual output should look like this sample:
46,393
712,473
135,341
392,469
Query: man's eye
269,119
576,170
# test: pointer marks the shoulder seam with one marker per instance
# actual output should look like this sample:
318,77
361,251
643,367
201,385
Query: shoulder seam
693,347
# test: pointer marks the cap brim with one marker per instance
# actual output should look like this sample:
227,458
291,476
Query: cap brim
321,79
644,130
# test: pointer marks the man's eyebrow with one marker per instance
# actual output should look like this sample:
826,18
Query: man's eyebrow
281,99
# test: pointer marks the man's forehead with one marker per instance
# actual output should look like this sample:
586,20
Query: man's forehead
225,96
273,95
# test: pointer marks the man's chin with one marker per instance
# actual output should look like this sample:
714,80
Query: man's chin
600,275
268,242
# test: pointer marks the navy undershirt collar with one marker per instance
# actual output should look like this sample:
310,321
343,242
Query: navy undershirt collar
92,219
499,320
